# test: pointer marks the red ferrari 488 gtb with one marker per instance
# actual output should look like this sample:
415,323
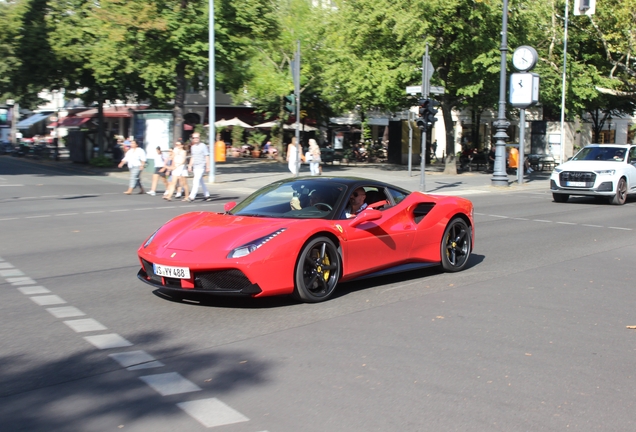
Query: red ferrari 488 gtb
303,236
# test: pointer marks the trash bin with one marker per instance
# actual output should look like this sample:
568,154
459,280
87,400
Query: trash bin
219,151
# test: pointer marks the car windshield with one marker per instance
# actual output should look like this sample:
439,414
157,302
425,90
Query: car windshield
616,154
301,199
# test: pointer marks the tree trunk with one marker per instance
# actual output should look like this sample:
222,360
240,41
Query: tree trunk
179,102
450,162
100,124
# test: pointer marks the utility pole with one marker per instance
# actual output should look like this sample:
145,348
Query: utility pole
427,71
500,177
211,94
295,69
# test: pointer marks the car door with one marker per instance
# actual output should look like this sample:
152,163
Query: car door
379,243
630,169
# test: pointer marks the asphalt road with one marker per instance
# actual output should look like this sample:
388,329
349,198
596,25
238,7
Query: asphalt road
531,337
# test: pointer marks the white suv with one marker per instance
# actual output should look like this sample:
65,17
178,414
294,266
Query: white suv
597,170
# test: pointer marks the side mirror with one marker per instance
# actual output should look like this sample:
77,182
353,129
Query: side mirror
229,206
366,216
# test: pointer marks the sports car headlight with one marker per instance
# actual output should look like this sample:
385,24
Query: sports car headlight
605,172
150,239
250,247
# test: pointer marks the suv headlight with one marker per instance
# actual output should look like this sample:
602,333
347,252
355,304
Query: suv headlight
558,170
605,172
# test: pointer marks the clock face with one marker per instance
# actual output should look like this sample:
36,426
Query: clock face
524,58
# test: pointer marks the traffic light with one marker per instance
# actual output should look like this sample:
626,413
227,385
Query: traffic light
290,104
432,112
427,112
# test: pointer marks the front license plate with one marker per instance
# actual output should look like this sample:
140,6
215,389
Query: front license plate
171,272
575,184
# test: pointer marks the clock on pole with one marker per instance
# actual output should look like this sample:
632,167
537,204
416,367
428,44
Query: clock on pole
524,58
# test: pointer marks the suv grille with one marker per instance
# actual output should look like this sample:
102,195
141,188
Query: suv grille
586,179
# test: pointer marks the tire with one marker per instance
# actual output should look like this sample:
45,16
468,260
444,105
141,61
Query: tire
456,245
621,192
560,198
317,271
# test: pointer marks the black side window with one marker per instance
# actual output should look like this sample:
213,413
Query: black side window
397,195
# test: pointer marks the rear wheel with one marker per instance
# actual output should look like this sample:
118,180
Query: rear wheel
456,245
317,271
621,193
561,198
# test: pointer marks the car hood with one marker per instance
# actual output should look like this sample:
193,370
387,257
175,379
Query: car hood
590,165
222,231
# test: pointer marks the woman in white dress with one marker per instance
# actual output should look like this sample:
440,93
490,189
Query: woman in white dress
293,161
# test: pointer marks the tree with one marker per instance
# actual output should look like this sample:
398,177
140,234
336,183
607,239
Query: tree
380,49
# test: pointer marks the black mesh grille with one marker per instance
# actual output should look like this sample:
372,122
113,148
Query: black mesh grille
567,177
230,280
150,272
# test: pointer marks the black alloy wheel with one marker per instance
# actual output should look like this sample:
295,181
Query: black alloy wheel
456,245
621,193
317,271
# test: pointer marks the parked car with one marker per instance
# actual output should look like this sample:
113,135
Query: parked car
606,170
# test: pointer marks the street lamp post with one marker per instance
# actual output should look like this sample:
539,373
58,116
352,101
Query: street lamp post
500,177
211,94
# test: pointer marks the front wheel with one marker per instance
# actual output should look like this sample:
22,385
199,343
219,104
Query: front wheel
456,245
621,193
560,198
317,271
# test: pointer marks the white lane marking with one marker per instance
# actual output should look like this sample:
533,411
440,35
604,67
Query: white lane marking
93,212
499,216
135,360
85,325
108,341
120,210
48,300
541,220
21,281
12,185
37,217
619,228
170,383
9,273
146,208
30,290
6,265
49,196
593,226
566,223
66,214
65,312
8,219
212,412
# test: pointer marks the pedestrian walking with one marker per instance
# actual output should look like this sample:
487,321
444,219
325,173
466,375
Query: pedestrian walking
178,170
160,172
135,158
314,162
293,162
199,165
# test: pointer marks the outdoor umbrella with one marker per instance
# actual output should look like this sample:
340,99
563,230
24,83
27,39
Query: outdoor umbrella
233,122
305,128
266,125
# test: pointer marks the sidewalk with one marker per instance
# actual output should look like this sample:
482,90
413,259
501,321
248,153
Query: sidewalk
245,175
